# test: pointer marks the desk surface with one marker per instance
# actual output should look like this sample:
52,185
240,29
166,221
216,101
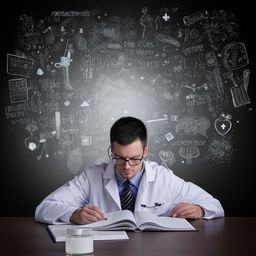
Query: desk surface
222,236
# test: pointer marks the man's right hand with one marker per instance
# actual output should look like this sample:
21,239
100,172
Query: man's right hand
87,214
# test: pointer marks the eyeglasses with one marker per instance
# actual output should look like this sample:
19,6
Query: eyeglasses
122,160
131,161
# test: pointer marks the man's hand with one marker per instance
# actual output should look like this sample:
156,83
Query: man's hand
87,214
188,211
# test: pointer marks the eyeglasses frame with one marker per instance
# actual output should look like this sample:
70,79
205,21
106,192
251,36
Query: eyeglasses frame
111,156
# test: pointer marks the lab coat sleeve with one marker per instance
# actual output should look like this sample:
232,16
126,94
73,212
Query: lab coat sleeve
58,206
190,193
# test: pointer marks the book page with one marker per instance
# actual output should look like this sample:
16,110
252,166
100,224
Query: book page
149,221
109,235
117,220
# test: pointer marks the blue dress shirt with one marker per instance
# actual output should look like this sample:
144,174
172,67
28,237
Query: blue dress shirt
134,180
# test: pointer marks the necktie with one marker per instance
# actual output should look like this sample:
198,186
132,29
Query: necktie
127,198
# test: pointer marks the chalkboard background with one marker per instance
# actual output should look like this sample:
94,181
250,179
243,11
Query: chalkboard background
69,70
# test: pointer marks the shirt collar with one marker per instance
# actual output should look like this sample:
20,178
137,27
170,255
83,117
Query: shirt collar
134,180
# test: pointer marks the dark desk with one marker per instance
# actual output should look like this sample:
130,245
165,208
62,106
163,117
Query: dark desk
224,236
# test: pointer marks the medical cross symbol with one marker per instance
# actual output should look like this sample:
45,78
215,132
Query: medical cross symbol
166,17
223,126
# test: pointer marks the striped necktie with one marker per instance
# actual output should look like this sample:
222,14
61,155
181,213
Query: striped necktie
127,198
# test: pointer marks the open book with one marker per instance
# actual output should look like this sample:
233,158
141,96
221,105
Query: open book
125,220
140,221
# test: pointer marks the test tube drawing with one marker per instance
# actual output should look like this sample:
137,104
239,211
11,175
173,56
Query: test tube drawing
64,64
195,17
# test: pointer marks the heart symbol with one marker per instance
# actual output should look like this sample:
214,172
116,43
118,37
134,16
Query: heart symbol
222,125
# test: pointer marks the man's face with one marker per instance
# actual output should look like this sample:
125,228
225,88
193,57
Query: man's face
131,151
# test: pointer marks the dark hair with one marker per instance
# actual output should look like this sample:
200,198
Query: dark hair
127,129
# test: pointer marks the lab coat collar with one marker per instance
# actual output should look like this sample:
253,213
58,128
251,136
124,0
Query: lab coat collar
110,170
110,182
150,173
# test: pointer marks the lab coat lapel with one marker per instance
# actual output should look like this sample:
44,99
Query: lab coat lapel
110,183
143,192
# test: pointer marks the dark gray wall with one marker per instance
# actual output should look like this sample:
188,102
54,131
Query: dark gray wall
70,70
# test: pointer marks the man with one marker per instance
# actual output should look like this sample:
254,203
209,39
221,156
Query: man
127,181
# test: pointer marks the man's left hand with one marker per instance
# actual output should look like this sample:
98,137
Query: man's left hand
188,211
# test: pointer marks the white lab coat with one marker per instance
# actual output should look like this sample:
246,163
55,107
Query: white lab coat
98,185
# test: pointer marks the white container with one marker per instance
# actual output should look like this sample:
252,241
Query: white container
79,241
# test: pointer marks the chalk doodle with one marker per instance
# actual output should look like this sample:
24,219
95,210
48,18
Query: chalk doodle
167,158
146,21
239,93
20,66
223,124
18,90
195,17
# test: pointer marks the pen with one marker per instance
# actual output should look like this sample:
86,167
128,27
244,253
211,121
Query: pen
86,201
